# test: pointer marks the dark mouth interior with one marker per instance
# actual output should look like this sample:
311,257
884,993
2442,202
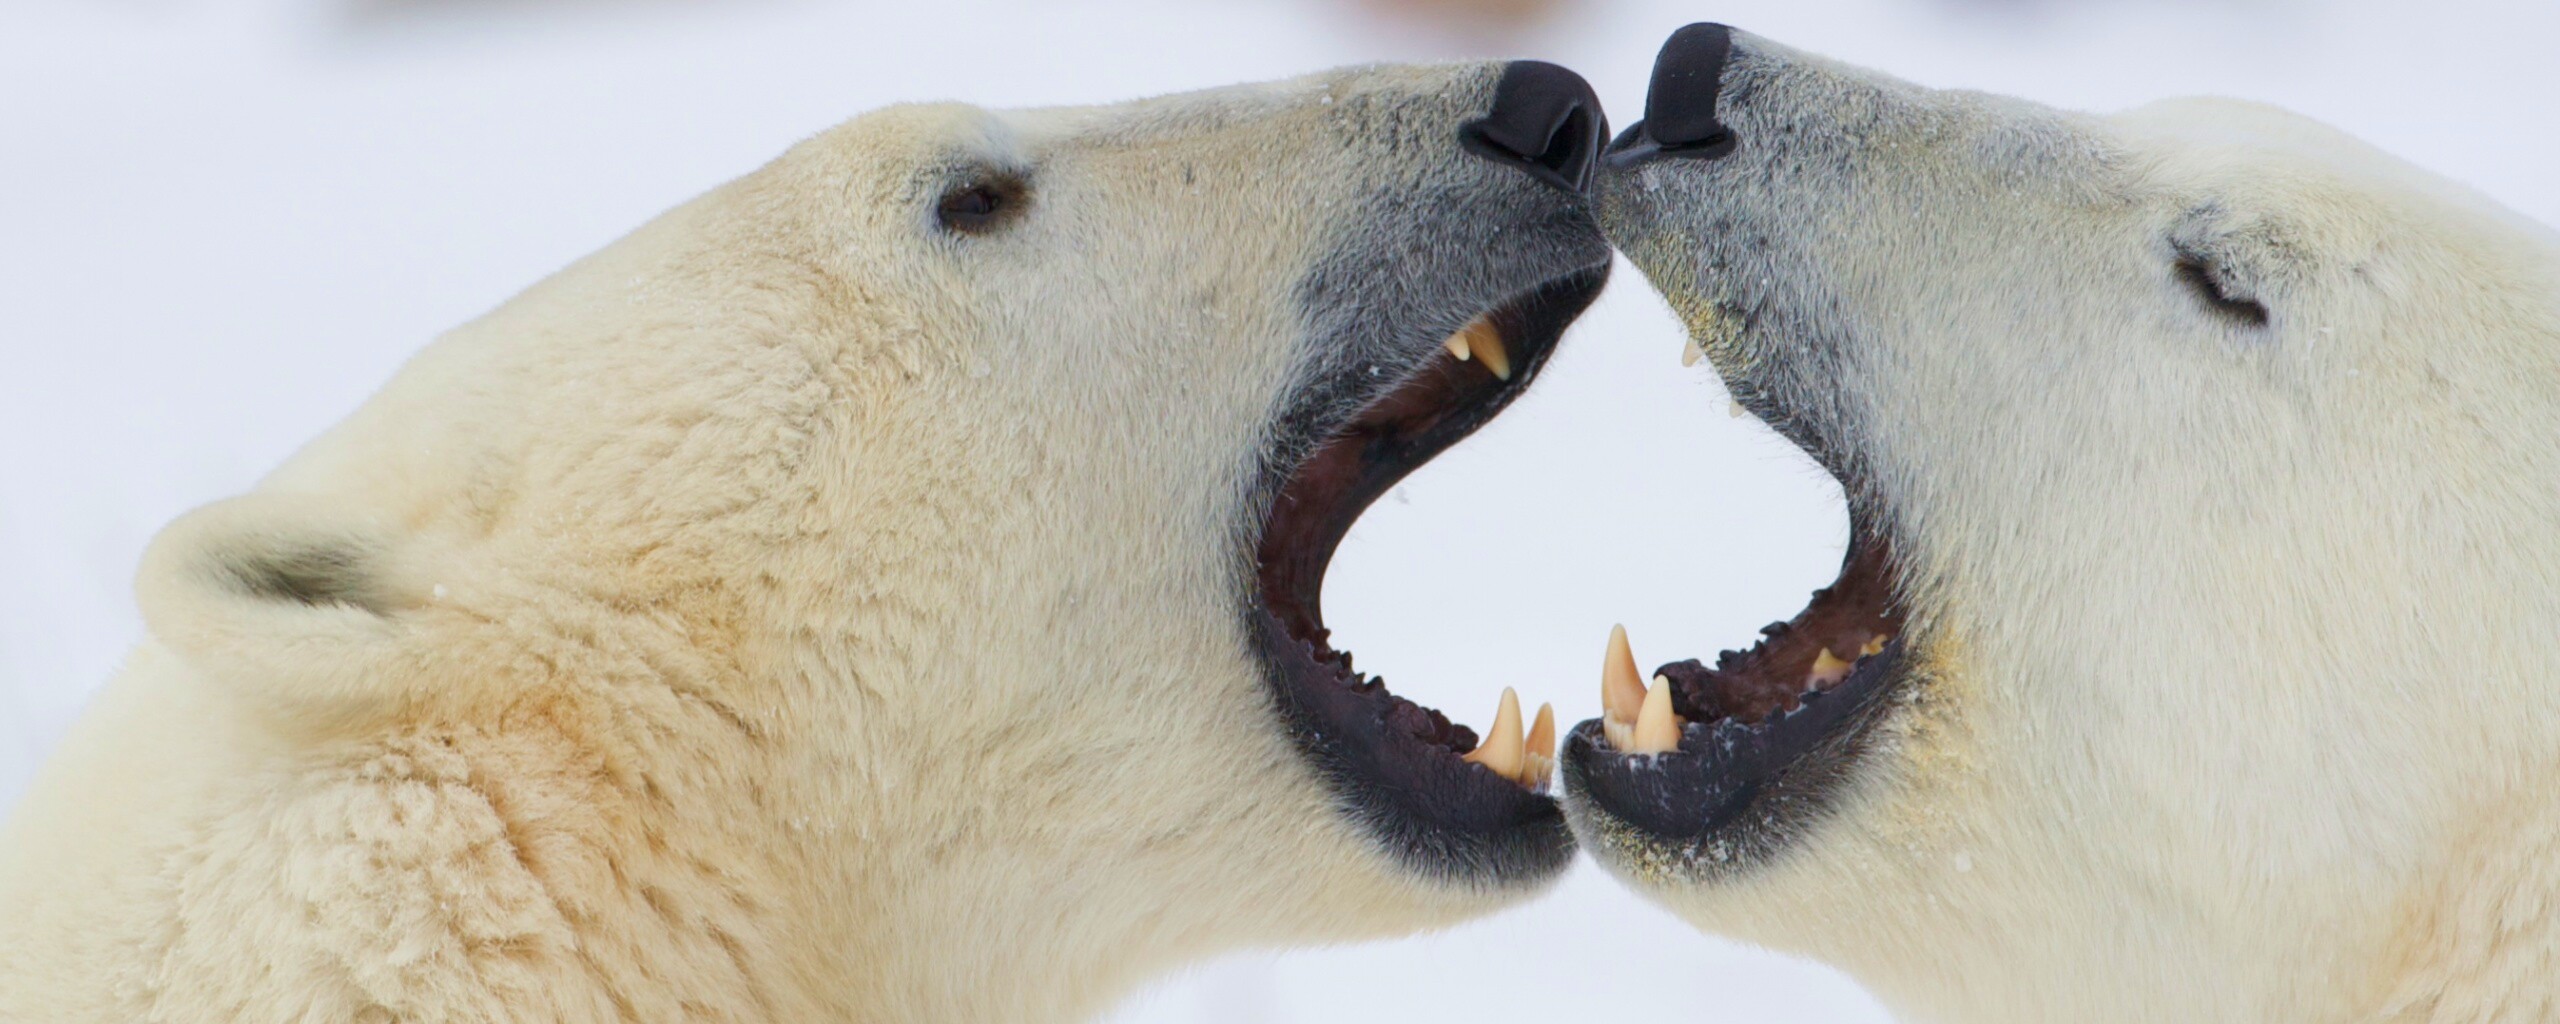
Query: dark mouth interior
1738,748
1819,649
1752,746
1724,756
1329,491
1349,718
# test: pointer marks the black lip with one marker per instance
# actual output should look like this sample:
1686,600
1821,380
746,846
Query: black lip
1732,792
1440,816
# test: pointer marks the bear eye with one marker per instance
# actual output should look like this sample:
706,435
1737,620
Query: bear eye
981,205
2207,282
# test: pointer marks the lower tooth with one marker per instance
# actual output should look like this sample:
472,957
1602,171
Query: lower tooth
1541,767
1621,686
1487,341
1657,727
1828,668
1503,746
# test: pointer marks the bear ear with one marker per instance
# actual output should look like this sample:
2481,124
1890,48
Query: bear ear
298,606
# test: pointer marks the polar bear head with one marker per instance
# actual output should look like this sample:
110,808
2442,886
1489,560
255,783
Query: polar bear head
2201,469
896,572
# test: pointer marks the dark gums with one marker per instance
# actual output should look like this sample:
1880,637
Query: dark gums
1731,780
1390,763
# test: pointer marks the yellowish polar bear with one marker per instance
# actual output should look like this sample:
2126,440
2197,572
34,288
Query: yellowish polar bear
882,589
2186,662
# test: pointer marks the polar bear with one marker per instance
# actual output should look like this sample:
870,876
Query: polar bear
2203,468
881,589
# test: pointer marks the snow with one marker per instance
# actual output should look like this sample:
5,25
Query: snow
227,222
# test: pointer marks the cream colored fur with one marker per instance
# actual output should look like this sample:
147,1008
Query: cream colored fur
790,613
2231,698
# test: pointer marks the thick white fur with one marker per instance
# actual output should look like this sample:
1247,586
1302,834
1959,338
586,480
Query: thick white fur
789,613
2233,705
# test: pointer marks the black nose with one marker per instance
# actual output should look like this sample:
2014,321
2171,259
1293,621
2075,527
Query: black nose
1546,121
1680,105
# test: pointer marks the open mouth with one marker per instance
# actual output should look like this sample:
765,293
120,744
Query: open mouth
1724,757
1439,796
1709,767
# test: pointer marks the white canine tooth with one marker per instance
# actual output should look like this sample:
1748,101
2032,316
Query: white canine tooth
1621,688
1828,668
1490,349
1502,747
1733,408
1690,353
1458,347
1541,766
1657,727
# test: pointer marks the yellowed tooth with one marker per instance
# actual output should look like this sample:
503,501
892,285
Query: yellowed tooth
1486,340
1458,347
1540,768
1621,691
1828,668
1874,645
1502,746
1657,727
1734,409
1621,688
1690,353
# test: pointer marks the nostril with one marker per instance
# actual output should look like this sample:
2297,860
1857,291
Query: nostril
1544,120
1567,147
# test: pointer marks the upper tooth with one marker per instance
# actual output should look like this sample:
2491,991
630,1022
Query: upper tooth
1733,408
1457,346
1541,768
1690,353
1502,748
1621,688
1828,668
1657,726
1874,645
1486,339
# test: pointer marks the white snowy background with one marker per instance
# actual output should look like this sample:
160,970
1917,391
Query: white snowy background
223,224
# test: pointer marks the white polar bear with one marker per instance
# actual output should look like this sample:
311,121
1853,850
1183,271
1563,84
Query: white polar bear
881,589
2204,472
